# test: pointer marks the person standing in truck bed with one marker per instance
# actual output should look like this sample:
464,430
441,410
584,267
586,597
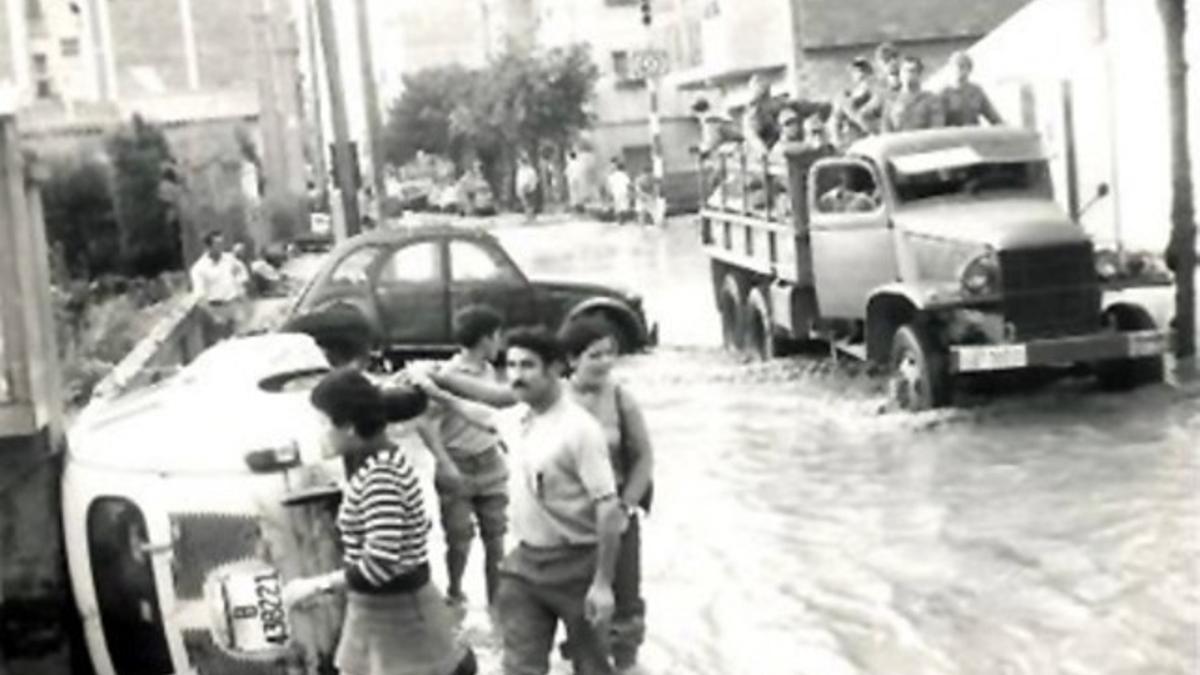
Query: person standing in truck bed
966,103
912,107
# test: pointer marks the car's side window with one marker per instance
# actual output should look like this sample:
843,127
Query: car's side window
353,269
846,188
470,262
413,264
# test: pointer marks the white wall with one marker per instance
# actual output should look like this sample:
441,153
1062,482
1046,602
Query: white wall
1112,54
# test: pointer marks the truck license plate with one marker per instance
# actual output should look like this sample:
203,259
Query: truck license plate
255,613
1147,343
993,357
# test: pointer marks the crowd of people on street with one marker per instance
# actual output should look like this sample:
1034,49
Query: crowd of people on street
552,469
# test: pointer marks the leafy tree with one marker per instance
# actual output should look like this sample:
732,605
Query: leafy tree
80,221
421,118
522,102
544,96
149,236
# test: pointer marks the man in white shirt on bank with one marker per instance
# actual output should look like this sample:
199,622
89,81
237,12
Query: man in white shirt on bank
219,282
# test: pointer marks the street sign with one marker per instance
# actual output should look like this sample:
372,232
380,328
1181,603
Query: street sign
648,63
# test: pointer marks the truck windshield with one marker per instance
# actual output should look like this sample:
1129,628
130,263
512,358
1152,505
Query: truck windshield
973,179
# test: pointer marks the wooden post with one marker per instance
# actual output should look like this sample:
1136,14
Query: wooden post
346,182
37,631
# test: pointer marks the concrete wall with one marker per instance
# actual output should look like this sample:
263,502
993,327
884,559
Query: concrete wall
1110,55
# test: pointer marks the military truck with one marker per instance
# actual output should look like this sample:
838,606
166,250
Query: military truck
932,254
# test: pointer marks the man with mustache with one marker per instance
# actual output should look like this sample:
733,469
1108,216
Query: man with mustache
564,512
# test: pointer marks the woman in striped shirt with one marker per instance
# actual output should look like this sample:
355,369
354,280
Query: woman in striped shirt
397,622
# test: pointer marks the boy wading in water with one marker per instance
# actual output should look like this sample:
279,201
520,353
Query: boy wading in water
471,474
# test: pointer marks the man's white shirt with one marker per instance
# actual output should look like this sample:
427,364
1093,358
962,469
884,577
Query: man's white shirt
222,280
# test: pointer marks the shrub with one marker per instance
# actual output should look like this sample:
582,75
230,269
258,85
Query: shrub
149,230
80,220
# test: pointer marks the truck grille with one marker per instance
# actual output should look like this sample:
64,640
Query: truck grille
1050,291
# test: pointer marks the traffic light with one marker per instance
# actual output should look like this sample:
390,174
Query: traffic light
646,14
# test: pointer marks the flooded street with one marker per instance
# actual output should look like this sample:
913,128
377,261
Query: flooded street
799,529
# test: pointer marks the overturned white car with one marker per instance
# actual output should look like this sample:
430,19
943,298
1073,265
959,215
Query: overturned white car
176,524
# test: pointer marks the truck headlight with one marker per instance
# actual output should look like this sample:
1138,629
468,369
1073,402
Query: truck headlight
981,276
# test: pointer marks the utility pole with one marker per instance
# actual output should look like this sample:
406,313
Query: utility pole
658,208
189,44
371,94
317,125
1181,252
342,159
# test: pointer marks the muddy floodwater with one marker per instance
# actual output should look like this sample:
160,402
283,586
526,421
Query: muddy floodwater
799,528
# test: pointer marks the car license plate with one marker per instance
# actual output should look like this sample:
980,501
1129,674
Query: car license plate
254,610
992,357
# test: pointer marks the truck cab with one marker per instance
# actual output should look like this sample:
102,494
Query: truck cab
935,254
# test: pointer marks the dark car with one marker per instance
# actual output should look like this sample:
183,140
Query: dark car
409,282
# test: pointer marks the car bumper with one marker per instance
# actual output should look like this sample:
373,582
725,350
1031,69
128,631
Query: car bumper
1059,351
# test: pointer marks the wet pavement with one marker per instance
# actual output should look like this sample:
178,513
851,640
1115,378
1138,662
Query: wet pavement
800,529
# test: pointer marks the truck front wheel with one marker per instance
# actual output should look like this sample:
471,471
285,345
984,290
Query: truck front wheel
1126,374
919,379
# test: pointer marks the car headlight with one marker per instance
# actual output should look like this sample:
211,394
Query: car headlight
981,275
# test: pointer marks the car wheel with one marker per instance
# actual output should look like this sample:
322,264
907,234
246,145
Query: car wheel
919,379
730,305
758,333
1127,374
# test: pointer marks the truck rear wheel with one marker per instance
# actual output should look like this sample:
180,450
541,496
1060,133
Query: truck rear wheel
758,333
919,378
730,303
1126,374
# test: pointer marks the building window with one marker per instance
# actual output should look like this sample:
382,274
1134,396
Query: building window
620,61
70,46
44,90
40,64
623,69
620,3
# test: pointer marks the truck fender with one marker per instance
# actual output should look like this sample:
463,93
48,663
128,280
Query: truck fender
628,322
1155,303
888,308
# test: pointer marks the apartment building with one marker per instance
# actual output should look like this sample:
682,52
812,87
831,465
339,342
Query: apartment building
616,35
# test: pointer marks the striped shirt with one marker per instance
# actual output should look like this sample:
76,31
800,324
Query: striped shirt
382,520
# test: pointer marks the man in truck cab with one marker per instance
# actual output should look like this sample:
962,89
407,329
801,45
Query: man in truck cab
852,193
